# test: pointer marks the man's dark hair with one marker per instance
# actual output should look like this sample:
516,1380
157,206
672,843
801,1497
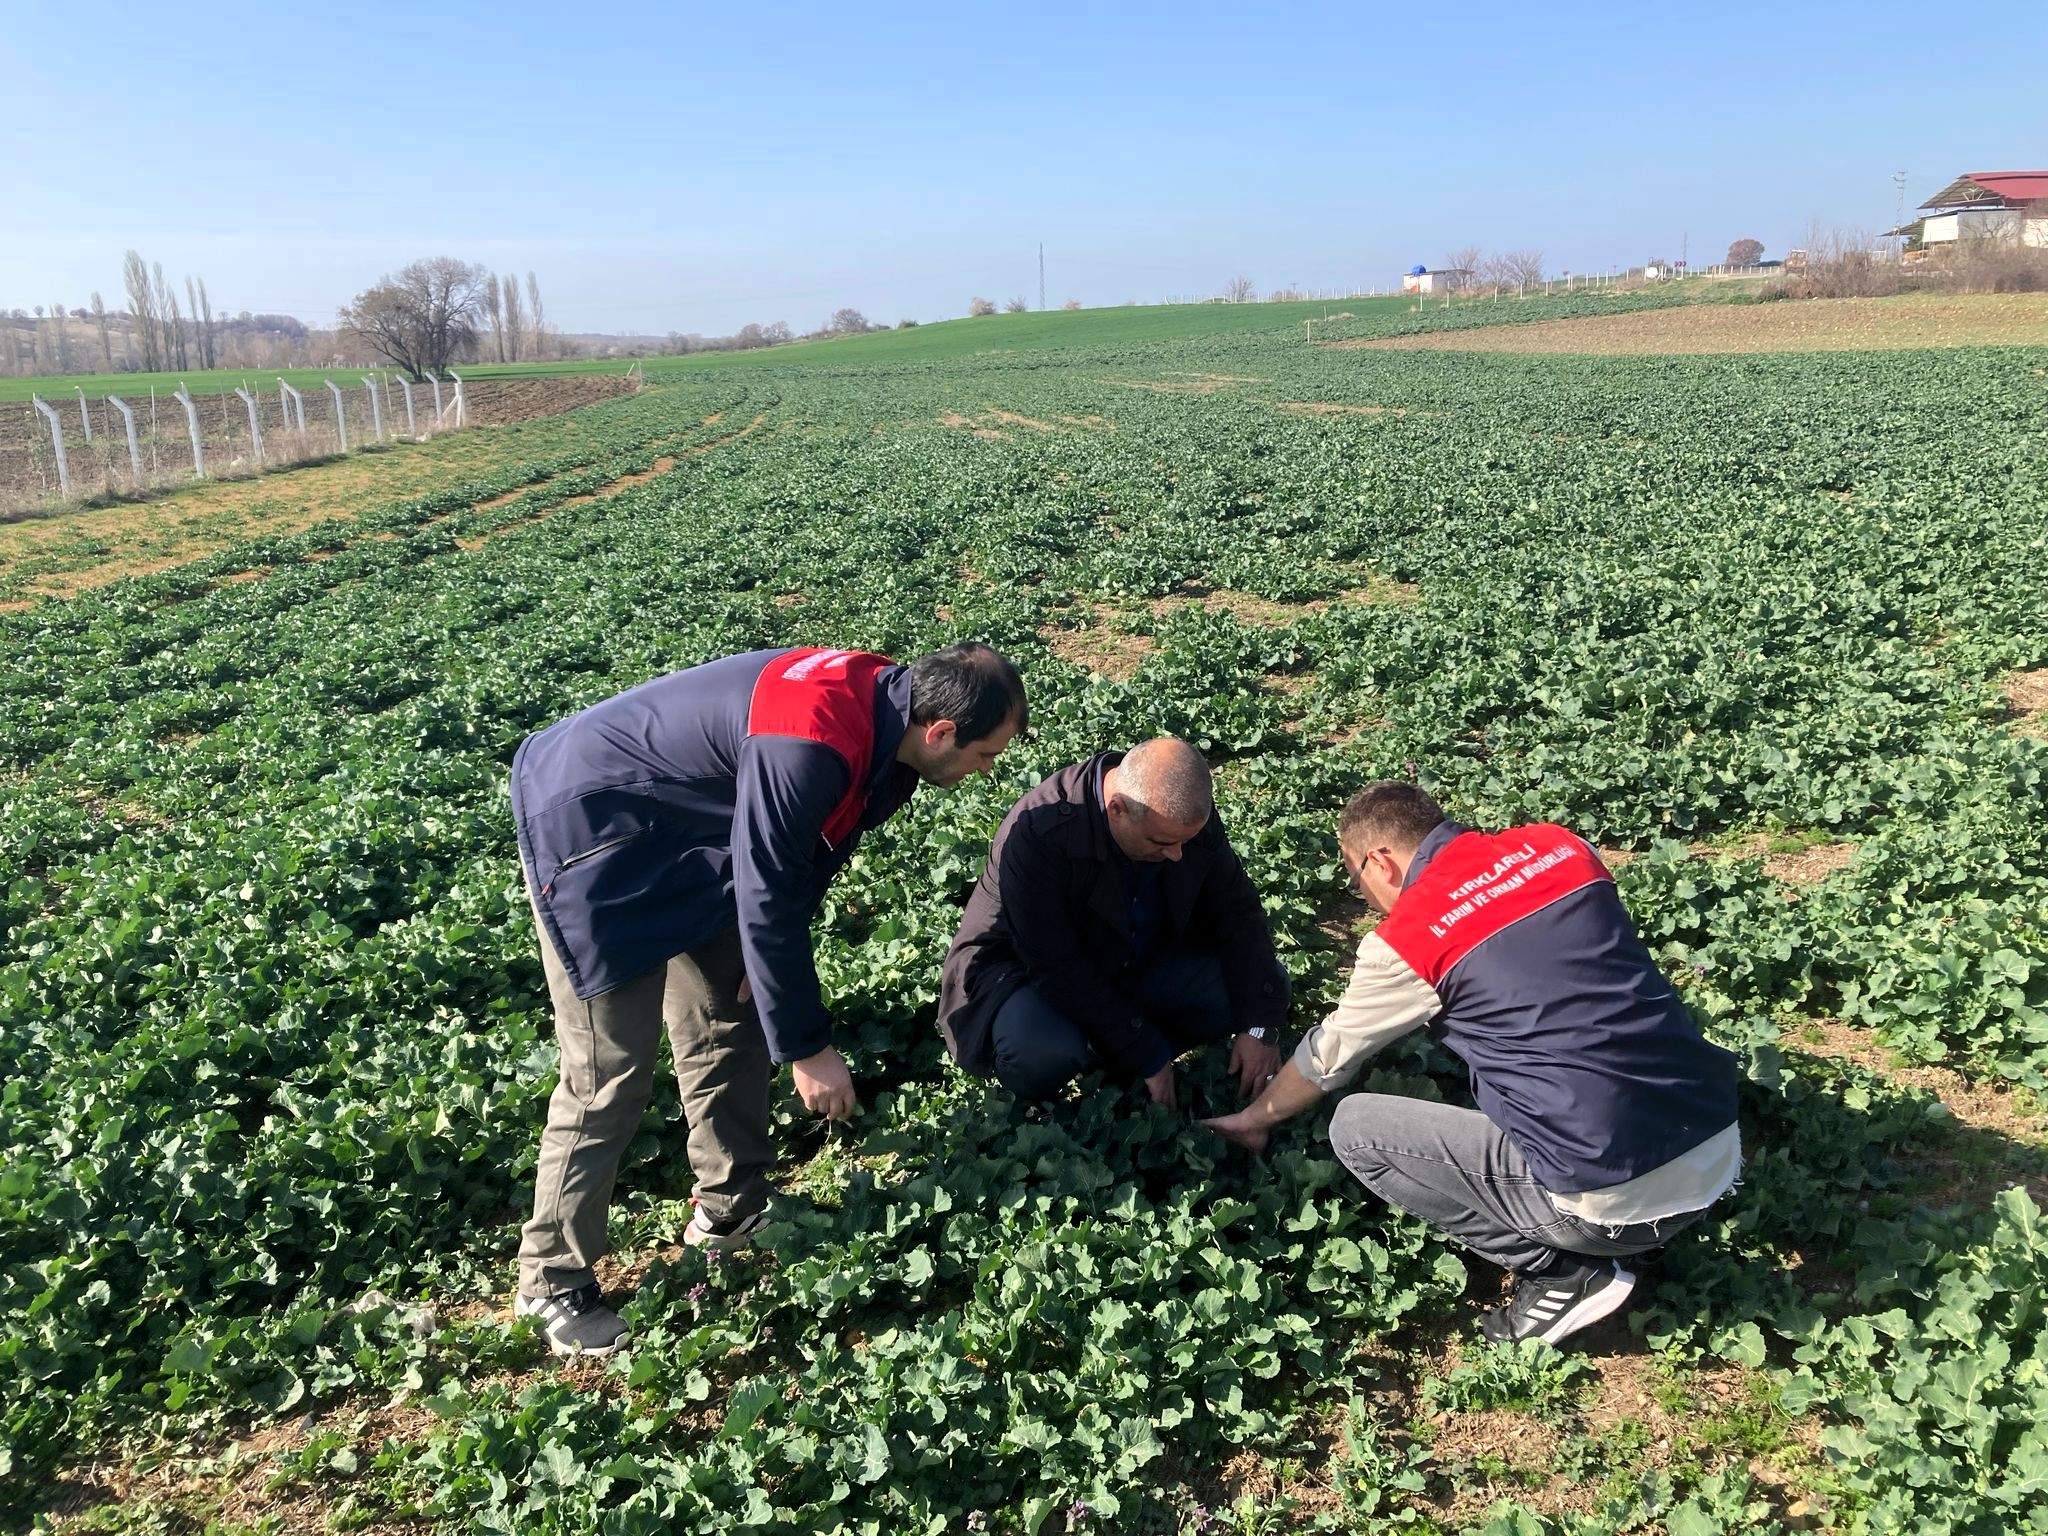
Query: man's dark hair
1389,814
971,685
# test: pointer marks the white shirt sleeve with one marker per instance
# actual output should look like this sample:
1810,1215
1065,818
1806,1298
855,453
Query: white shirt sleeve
1384,1000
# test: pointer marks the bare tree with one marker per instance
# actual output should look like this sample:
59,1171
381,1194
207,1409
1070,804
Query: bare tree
1511,269
492,313
1745,253
536,317
177,330
142,305
847,322
1071,304
209,329
1015,307
1466,258
515,316
981,306
1239,290
63,339
422,315
99,318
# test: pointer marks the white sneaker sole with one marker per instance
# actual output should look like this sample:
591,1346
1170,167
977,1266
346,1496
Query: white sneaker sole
1603,1303
695,1236
521,1308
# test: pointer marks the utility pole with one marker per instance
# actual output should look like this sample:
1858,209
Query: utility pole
1899,207
1041,274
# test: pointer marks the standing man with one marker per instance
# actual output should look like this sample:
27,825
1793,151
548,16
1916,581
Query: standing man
676,841
1113,926
1605,1121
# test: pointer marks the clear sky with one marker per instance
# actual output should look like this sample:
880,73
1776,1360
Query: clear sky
693,168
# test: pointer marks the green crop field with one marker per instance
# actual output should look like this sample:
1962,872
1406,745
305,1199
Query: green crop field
1772,630
944,340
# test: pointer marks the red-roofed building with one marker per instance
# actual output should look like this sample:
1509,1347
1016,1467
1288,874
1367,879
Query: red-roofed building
1984,205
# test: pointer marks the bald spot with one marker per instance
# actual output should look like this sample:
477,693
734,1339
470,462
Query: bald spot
1169,778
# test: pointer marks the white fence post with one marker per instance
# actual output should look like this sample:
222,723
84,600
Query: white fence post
57,442
435,380
192,425
84,416
461,405
255,426
376,415
405,387
134,448
298,406
340,416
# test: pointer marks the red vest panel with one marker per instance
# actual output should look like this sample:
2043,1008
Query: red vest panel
829,697
1481,883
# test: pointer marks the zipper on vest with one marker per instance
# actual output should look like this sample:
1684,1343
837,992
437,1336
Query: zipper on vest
586,855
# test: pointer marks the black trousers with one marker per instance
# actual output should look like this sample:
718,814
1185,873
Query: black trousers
1039,1050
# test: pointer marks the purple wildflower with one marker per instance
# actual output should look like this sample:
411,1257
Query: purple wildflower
1078,1513
698,1292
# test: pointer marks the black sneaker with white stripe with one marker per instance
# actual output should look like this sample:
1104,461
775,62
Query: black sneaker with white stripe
1555,1304
577,1322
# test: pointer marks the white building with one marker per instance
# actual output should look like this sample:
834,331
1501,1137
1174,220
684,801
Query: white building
1984,205
1444,280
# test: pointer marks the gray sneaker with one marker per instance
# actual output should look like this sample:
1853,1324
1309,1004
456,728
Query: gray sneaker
577,1322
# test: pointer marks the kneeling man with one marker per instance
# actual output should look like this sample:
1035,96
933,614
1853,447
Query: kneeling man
1114,927
1605,1121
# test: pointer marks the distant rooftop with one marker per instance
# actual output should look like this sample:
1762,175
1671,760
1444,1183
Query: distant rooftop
1991,189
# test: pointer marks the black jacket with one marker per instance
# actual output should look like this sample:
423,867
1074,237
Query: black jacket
1050,910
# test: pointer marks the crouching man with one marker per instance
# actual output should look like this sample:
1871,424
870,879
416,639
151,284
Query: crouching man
1605,1121
1113,927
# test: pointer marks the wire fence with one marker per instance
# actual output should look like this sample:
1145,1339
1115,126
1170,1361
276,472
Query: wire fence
54,451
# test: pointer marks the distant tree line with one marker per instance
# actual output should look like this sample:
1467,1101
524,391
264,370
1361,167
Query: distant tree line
844,322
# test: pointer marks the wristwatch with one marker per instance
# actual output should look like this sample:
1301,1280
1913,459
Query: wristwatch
1260,1033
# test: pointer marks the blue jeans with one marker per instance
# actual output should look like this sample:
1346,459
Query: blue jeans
1039,1050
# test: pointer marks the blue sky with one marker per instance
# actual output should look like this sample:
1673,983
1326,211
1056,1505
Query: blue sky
686,168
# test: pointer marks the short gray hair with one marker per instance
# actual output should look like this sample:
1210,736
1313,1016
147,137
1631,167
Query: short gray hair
1170,777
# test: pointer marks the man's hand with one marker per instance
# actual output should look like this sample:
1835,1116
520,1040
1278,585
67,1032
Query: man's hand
1239,1128
1160,1086
824,1084
1255,1062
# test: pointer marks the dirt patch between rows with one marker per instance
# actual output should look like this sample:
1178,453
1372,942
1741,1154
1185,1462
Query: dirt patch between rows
1807,865
1336,408
1176,382
991,422
1992,1108
1089,635
2026,695
1908,322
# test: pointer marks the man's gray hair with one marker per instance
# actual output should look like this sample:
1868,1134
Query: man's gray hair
1167,776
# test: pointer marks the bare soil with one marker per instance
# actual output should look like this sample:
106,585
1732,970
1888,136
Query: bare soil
1908,322
2026,694
1175,382
2004,1137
